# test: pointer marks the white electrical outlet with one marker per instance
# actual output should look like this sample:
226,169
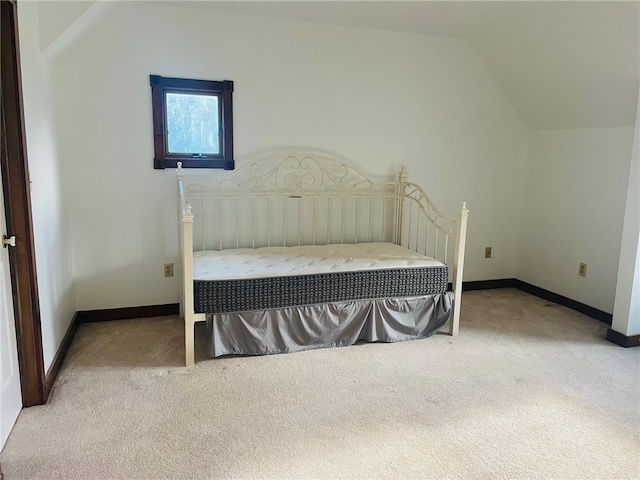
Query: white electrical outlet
582,270
168,269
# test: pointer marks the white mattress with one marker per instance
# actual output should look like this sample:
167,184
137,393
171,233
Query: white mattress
264,262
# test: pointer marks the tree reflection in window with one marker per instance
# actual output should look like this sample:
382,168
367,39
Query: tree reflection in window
192,123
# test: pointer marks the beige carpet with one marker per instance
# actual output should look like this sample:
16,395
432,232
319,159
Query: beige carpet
528,390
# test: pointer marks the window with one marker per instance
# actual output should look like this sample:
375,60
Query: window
192,123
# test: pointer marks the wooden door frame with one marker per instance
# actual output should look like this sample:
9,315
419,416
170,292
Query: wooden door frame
17,201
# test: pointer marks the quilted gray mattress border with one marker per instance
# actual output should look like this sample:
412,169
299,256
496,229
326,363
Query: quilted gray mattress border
223,296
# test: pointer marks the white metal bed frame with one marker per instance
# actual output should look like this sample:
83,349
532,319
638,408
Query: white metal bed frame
301,199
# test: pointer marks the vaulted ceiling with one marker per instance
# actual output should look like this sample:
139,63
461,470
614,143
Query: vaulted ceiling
561,64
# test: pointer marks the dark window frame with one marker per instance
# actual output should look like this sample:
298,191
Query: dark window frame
160,86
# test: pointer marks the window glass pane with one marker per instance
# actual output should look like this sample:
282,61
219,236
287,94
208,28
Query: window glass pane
192,123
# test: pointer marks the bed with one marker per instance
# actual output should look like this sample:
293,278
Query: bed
299,251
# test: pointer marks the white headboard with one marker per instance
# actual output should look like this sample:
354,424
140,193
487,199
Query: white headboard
302,199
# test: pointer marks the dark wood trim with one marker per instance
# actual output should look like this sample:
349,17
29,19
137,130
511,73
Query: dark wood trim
52,373
16,185
623,340
227,124
488,284
88,316
160,86
538,292
564,301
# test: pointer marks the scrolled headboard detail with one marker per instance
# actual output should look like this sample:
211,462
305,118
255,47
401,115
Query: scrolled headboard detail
306,199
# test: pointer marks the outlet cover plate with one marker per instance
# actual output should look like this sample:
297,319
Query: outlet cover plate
168,269
582,270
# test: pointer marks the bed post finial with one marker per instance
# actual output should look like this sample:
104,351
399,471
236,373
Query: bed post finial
403,174
179,170
188,216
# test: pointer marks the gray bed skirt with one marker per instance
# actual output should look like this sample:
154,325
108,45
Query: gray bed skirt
293,329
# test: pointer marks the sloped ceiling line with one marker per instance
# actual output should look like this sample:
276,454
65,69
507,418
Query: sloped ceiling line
561,65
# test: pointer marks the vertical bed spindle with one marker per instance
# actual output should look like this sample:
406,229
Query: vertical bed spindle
328,219
237,232
253,223
426,241
269,221
204,230
355,221
370,217
298,201
384,223
341,219
446,249
409,228
313,214
402,178
426,230
219,224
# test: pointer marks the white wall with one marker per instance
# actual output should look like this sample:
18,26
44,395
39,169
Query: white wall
50,223
55,17
626,312
573,208
376,99
565,65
